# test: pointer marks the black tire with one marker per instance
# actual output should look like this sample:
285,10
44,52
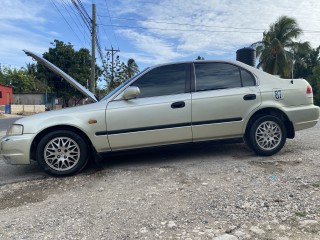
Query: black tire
267,135
62,153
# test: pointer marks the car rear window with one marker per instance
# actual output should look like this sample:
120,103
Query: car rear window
247,78
213,76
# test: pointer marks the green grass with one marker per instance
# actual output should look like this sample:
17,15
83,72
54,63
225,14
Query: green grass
301,214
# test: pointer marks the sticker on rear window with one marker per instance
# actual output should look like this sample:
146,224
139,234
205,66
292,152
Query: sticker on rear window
277,94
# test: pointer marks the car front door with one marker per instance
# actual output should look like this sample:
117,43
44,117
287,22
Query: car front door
160,115
223,95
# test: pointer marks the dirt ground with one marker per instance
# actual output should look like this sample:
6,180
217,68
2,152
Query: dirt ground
199,191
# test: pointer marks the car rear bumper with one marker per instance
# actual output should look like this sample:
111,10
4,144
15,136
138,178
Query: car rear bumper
16,149
303,117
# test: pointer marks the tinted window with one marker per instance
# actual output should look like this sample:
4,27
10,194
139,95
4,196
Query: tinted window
247,78
211,76
165,80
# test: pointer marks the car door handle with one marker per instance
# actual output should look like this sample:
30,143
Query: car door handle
178,104
249,97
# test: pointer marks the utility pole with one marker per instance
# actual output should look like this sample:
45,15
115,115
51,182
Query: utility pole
93,52
113,52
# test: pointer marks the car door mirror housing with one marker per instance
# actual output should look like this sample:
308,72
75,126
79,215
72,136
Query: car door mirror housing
130,93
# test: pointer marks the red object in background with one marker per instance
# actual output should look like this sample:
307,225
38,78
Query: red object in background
5,95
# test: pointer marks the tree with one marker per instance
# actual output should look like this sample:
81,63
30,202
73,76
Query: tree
2,76
200,58
310,60
275,50
31,69
314,80
121,72
112,71
301,52
75,63
131,68
20,81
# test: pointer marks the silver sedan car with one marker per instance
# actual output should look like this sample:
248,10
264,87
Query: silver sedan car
166,104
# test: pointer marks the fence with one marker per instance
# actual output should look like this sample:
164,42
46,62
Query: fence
27,109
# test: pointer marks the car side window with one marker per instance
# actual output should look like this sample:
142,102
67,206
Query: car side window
212,76
164,80
247,78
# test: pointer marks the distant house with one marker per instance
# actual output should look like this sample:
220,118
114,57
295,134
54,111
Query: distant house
5,95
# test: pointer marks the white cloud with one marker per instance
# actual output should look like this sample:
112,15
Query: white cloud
22,10
19,23
216,27
155,49
53,33
210,28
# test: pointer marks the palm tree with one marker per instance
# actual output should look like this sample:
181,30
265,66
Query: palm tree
31,69
131,68
301,54
313,60
123,72
275,50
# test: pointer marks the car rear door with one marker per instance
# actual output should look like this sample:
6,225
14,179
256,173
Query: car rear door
223,96
160,115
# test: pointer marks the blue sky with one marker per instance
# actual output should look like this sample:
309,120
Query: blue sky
149,31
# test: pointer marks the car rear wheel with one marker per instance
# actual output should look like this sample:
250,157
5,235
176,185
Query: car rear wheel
267,135
62,153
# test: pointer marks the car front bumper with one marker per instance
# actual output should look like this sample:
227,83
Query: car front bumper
16,149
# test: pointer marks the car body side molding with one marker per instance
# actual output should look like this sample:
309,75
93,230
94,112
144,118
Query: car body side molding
217,121
130,130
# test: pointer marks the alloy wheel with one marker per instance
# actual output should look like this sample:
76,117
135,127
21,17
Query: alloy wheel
62,153
268,135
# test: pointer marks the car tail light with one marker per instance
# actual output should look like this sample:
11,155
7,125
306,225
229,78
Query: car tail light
309,91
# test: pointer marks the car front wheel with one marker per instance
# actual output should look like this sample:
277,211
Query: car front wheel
267,135
62,153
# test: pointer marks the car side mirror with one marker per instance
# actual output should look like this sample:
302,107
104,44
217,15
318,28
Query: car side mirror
130,93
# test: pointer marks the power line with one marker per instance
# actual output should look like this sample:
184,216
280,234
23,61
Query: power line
65,4
80,22
115,37
180,24
194,25
99,45
182,30
65,20
88,22
307,31
84,10
75,22
84,15
105,33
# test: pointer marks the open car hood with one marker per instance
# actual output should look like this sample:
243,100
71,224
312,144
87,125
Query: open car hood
61,73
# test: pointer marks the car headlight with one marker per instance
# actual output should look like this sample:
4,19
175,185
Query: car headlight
15,129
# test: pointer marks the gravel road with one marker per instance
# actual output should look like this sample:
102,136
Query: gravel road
203,191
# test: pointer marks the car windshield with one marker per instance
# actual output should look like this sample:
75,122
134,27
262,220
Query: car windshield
121,85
